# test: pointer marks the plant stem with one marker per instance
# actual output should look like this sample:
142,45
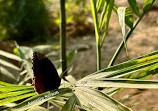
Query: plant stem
63,38
97,33
122,42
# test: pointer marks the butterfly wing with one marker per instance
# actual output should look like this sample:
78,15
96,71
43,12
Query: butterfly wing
46,77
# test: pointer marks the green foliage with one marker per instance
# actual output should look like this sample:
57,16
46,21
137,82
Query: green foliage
84,93
24,19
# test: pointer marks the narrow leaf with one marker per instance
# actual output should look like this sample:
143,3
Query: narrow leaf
70,104
71,56
15,98
141,59
94,100
121,15
129,17
8,64
99,3
134,6
9,94
103,14
110,7
120,83
147,5
5,84
14,88
45,47
39,99
8,74
10,56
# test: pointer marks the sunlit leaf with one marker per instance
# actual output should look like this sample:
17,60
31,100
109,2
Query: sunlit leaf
17,97
121,14
14,88
147,5
120,83
10,94
5,84
96,101
39,99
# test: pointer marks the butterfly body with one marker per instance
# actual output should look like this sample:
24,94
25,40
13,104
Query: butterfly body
45,75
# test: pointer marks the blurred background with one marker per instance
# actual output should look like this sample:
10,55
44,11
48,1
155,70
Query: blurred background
36,22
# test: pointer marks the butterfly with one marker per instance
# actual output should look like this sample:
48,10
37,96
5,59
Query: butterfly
46,77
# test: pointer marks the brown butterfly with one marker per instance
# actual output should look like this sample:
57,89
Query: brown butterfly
46,77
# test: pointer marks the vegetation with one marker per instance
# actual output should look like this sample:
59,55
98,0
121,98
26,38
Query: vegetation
92,92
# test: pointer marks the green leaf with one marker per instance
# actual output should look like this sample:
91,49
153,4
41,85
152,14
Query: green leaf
71,56
45,47
141,59
10,94
147,5
91,99
70,104
120,83
121,15
8,74
129,17
95,19
149,62
134,6
103,14
110,7
39,99
5,84
14,88
39,108
18,97
8,64
19,52
10,56
99,3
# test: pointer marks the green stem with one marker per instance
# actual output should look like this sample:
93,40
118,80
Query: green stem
63,38
97,33
122,42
